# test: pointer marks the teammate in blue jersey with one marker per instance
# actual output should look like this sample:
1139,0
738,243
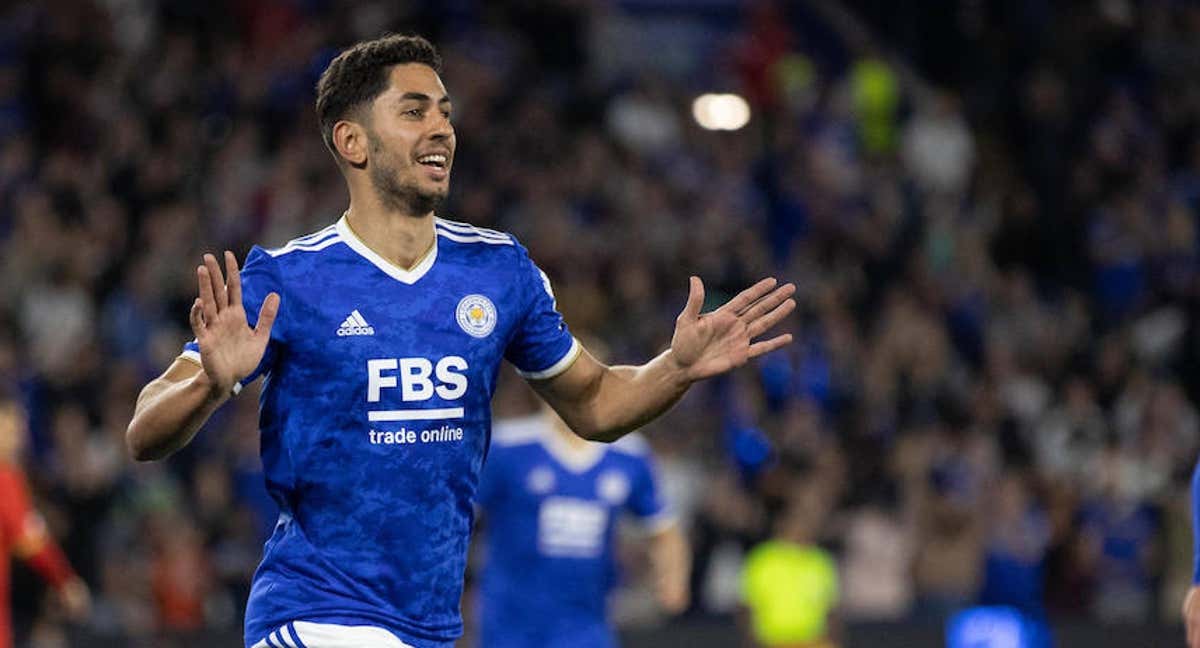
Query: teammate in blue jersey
551,501
379,338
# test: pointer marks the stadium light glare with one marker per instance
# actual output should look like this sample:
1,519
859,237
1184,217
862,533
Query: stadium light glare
727,112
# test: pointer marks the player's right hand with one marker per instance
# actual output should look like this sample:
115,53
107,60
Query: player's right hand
1191,616
229,348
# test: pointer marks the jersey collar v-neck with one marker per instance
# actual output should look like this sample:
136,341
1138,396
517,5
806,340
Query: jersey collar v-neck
404,275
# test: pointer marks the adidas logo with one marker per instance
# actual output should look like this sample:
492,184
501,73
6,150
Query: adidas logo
355,325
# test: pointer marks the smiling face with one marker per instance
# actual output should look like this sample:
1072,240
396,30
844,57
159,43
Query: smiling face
410,141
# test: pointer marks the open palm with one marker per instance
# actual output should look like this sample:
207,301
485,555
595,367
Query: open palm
229,348
712,343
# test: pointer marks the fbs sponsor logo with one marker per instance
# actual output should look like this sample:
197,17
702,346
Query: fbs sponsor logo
355,324
419,379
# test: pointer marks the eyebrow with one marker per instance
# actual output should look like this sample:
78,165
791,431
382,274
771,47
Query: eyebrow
422,97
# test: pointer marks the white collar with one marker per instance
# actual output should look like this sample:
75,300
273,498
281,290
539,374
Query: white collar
408,276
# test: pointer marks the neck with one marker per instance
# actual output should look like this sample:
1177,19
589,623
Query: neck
400,236
570,439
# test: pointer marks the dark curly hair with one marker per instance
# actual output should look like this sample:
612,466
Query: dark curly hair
360,73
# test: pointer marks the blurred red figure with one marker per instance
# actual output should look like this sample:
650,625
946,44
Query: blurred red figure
23,532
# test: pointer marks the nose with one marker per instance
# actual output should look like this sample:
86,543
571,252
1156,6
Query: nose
442,130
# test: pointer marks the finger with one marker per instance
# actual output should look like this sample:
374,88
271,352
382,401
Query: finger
233,279
767,346
750,295
207,301
769,302
196,318
764,323
266,315
695,300
218,282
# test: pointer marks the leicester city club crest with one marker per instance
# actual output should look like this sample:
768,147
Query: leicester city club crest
476,315
613,487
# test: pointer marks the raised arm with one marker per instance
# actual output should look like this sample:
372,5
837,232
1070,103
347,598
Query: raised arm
603,403
172,407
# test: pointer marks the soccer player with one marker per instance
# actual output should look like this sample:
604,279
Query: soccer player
551,501
23,533
380,338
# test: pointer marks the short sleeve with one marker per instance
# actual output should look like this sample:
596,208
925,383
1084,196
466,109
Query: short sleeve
645,499
260,277
542,346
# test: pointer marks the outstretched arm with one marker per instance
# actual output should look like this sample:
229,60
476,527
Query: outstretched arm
603,403
172,407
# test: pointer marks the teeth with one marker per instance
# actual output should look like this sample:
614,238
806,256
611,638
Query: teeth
437,159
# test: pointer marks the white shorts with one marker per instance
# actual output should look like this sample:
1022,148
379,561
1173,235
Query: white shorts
304,634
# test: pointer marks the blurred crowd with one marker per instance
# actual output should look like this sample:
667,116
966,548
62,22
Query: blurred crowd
991,214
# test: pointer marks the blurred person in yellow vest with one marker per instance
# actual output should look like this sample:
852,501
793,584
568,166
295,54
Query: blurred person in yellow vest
789,584
876,95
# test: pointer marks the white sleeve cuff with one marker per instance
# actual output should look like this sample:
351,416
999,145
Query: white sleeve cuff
557,368
194,356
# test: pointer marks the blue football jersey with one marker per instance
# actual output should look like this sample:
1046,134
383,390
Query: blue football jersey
375,418
551,516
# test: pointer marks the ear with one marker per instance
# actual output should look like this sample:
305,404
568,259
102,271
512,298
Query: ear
350,140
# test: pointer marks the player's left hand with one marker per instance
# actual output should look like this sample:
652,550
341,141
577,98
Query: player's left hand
75,599
715,342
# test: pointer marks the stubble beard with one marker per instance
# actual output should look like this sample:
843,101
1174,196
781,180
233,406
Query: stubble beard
395,193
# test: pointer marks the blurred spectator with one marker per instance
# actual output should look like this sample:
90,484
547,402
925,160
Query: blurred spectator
877,559
939,147
948,569
1014,557
180,576
789,584
1120,532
